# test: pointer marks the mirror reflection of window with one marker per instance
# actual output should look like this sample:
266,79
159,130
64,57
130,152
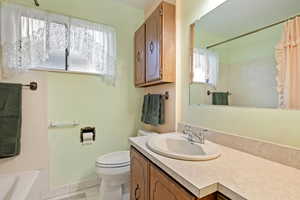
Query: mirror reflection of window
205,66
257,65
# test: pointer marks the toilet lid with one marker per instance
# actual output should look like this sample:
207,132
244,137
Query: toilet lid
115,159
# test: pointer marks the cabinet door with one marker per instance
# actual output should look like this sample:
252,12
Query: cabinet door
164,188
153,46
140,57
139,176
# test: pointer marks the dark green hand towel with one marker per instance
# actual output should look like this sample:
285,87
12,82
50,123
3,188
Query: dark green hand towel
145,107
153,109
10,119
220,98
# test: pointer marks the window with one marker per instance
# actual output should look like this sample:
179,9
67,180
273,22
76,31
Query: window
71,48
57,45
89,49
38,39
205,67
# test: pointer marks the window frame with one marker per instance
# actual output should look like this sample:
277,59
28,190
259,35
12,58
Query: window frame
67,51
207,68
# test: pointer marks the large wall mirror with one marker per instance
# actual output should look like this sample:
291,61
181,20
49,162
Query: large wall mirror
247,53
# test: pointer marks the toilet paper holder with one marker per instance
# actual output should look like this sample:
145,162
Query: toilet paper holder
87,130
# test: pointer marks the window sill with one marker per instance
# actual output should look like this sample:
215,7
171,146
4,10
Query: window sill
63,71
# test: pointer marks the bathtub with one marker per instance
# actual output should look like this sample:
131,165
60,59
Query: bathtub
18,186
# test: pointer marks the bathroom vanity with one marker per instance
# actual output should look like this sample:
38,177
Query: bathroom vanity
149,182
234,175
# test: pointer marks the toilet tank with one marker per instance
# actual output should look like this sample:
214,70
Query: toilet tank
146,133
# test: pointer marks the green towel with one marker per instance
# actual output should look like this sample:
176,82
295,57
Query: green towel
10,119
153,109
220,98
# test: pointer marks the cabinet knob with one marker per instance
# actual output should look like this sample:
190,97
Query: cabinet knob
137,192
151,47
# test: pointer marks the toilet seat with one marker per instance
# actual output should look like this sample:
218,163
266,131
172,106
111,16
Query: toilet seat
113,170
112,166
114,160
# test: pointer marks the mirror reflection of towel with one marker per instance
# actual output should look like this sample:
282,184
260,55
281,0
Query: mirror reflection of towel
153,109
10,119
220,98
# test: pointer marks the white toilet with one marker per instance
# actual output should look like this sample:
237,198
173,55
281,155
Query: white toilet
114,171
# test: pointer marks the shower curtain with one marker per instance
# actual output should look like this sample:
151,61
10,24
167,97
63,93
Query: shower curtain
288,66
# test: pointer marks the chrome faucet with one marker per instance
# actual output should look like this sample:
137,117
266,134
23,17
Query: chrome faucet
200,136
194,137
188,132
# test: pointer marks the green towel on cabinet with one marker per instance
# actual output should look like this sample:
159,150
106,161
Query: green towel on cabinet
10,119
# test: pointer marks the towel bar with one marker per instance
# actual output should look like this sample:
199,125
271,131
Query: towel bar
166,95
31,85
209,93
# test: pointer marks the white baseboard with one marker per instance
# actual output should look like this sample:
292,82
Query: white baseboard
71,188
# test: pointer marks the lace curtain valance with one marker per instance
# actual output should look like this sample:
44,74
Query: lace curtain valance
33,38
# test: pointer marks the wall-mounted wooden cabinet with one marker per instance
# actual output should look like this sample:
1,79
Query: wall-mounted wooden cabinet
149,182
140,58
155,48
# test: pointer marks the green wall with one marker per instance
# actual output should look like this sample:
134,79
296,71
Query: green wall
114,111
278,126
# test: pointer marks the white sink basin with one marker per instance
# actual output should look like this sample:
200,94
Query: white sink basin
178,147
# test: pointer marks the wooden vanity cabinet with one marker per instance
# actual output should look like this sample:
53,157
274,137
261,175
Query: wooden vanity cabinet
163,187
148,182
139,180
155,57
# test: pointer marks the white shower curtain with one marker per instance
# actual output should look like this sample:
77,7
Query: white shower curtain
288,60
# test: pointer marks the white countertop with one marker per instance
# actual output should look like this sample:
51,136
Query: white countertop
236,174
